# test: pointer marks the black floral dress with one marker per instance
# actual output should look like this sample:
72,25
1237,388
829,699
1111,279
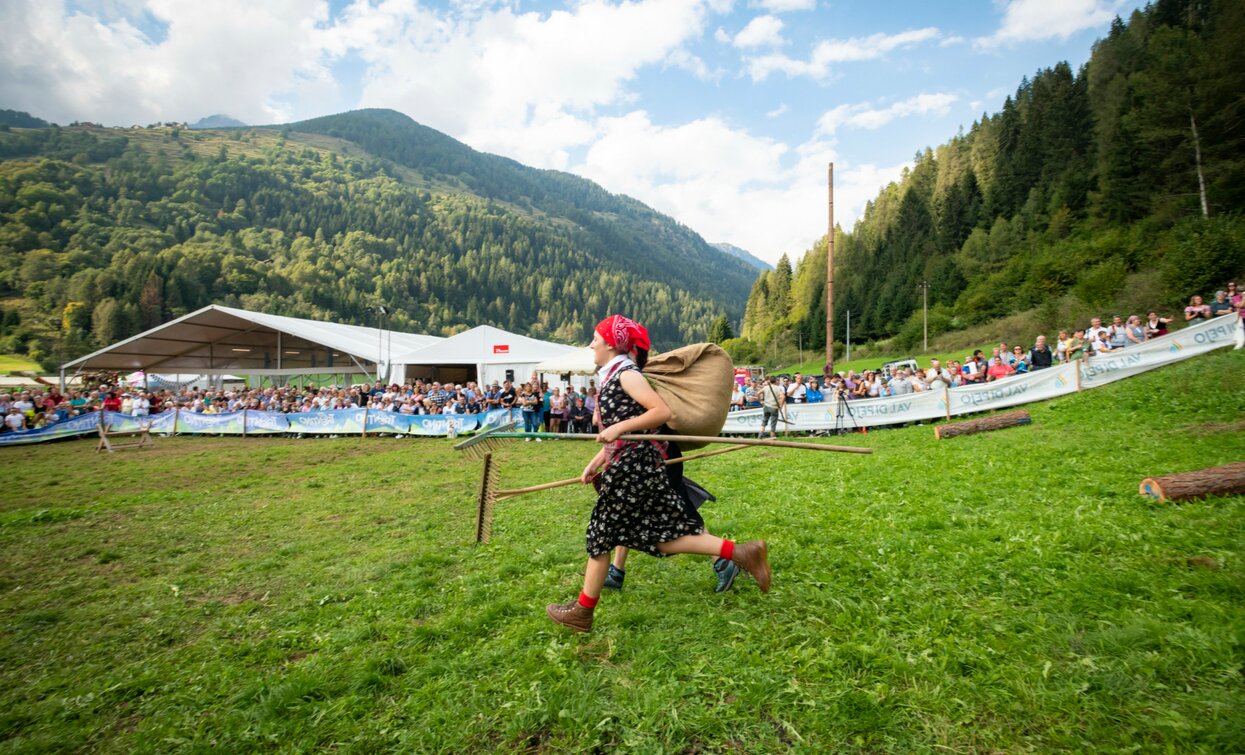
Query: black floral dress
636,506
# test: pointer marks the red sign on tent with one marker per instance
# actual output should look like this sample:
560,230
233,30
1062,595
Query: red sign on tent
501,348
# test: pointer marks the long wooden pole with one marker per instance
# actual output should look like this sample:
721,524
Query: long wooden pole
571,481
692,439
829,369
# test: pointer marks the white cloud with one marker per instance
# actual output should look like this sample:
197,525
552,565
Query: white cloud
251,60
728,184
952,41
487,81
762,31
784,6
832,51
722,36
684,60
1030,20
780,110
863,116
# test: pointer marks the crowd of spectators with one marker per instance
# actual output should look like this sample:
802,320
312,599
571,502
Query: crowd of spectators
556,409
565,409
1003,360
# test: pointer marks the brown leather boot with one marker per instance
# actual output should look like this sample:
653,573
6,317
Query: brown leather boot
571,615
754,558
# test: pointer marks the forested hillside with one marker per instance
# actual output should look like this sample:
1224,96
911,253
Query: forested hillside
105,232
1124,180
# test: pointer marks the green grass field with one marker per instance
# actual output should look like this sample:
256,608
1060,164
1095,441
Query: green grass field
13,363
1003,592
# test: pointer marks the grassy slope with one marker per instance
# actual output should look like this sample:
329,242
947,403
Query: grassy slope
14,363
1003,591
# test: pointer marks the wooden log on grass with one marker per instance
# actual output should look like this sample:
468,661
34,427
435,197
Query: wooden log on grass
1226,480
985,424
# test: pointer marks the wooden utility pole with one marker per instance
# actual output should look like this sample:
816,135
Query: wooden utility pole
829,369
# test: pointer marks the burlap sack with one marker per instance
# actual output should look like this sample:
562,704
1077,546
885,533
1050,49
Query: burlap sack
696,381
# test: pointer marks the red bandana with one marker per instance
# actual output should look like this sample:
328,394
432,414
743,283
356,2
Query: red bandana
623,334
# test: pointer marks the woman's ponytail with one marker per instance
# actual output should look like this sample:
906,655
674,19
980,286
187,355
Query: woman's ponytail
641,357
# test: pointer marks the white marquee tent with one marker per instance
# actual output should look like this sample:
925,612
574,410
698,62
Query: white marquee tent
218,340
484,354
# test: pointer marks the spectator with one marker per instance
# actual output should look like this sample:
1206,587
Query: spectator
557,410
974,369
15,420
900,385
1095,328
915,380
1076,346
1061,347
1156,326
1117,333
1040,356
998,370
546,405
1135,333
1221,305
813,394
773,401
737,397
864,386
580,418
937,378
796,391
1196,310
1104,344
529,404
509,398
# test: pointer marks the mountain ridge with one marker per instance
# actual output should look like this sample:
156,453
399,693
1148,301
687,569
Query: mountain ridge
105,232
742,254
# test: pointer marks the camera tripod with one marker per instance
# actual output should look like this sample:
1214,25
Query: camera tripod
843,408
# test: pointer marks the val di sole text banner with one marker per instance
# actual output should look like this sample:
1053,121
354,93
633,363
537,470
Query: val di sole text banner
915,407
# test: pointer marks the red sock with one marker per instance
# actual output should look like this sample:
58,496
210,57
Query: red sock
728,549
586,601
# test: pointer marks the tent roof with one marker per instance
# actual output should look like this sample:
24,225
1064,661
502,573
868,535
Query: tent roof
484,344
223,339
576,362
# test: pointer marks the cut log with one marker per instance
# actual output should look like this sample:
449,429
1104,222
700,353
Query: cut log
985,424
1226,480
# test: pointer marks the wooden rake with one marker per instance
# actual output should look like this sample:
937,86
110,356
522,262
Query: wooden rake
483,444
489,494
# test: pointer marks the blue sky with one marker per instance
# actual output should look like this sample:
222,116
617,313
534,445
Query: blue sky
721,113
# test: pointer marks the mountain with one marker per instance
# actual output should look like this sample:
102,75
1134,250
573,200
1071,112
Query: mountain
742,254
1118,187
106,232
218,121
613,230
19,119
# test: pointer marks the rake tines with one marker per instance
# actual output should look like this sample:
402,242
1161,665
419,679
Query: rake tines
486,499
477,446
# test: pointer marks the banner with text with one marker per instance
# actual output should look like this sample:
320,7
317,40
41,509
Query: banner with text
914,407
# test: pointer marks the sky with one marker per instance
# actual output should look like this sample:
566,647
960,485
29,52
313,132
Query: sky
723,114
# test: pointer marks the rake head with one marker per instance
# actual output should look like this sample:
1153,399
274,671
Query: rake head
480,444
486,499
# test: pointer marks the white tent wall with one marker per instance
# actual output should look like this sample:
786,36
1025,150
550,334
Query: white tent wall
487,350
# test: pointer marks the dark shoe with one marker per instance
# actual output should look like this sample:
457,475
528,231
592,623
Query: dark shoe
754,558
571,615
614,577
726,571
